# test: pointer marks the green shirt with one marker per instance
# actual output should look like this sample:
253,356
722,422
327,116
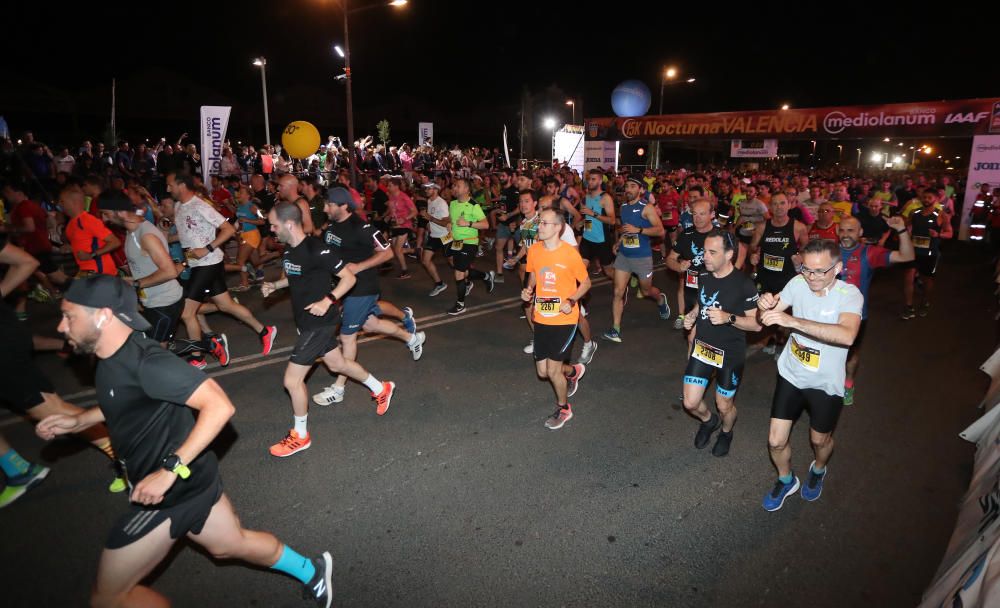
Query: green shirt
468,211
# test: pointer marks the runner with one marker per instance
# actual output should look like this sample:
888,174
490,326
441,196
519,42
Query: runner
687,258
309,266
725,311
439,225
811,368
555,312
927,228
467,219
248,262
175,488
860,262
202,232
503,216
824,229
89,239
598,219
400,212
363,249
640,221
751,212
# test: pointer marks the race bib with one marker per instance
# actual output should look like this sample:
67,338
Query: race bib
457,245
667,216
691,279
774,262
547,307
922,242
447,238
630,241
748,226
588,224
808,357
706,353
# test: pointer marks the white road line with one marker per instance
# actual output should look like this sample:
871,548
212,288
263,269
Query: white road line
259,360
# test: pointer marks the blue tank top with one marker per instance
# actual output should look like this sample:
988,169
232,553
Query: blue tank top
593,228
635,245
245,212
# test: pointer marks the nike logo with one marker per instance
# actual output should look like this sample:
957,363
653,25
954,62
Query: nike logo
112,392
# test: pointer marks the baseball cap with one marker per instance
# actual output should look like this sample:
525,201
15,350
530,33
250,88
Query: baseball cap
340,196
106,291
115,200
434,185
637,181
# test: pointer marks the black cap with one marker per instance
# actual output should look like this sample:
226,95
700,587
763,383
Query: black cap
340,196
106,291
636,181
115,200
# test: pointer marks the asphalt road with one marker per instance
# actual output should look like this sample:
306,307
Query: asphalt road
460,497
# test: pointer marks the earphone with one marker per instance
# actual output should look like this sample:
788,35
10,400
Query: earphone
101,322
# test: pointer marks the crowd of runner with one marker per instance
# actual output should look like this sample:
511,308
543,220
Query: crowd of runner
779,260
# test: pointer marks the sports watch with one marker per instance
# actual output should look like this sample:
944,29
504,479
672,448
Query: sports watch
174,464
732,319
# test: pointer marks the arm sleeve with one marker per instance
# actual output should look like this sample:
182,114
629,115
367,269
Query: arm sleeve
375,235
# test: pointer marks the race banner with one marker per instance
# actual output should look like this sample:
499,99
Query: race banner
742,148
214,122
600,155
425,134
961,118
984,168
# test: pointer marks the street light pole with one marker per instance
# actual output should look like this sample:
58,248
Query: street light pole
350,100
262,64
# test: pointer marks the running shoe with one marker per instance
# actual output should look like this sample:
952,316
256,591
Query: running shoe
775,499
320,588
530,348
770,349
722,443
559,418
498,278
587,354
814,484
848,395
329,395
924,309
664,307
17,486
40,294
382,399
267,340
197,362
440,287
118,484
509,264
574,383
679,322
613,334
260,274
491,281
705,430
417,348
220,349
404,274
240,288
468,286
291,444
908,313
457,309
409,322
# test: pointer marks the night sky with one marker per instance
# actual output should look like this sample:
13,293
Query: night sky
462,65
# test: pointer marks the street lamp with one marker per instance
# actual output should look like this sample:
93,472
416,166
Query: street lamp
859,158
262,64
785,106
339,50
347,77
669,74
570,102
550,123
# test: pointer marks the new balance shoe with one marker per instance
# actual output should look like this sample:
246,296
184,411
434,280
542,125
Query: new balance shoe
220,349
775,499
409,322
320,588
329,395
574,383
267,340
814,484
17,486
382,399
291,444
559,418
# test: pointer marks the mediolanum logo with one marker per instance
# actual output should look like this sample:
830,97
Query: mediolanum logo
630,128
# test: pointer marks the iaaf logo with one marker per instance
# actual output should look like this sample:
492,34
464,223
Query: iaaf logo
835,122
630,128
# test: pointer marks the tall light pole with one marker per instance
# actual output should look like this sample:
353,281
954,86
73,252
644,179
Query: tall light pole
262,64
570,102
349,78
669,74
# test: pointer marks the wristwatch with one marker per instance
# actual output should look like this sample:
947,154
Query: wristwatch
732,319
174,464
210,247
332,298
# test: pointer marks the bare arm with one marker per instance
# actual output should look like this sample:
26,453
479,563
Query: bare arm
165,268
22,265
841,333
652,215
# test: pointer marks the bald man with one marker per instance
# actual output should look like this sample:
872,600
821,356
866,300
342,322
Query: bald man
90,240
288,191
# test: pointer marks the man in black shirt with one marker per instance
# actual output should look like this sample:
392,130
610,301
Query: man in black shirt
364,249
725,311
504,215
309,266
146,398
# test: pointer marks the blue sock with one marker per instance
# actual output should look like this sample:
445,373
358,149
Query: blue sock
817,471
13,464
786,478
293,564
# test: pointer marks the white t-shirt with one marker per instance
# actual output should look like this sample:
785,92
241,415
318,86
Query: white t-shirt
437,208
65,164
197,225
808,363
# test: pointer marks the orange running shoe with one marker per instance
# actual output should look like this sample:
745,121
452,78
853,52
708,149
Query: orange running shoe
382,399
291,444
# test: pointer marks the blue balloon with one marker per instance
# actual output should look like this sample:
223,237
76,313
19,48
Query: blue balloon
631,98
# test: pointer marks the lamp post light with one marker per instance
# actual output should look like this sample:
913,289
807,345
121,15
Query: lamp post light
570,102
669,74
262,64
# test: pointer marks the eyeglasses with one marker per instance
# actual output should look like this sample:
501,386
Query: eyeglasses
809,272
544,223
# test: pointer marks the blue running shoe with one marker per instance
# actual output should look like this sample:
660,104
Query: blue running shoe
814,484
664,307
409,323
613,334
774,499
17,486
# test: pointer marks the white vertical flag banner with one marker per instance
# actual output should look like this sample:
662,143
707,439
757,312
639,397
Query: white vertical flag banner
506,148
425,135
214,121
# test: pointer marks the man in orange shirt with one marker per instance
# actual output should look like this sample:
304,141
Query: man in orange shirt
90,240
557,281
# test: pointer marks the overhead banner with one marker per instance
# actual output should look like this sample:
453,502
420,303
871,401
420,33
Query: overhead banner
761,148
962,118
984,168
214,122
425,134
600,155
